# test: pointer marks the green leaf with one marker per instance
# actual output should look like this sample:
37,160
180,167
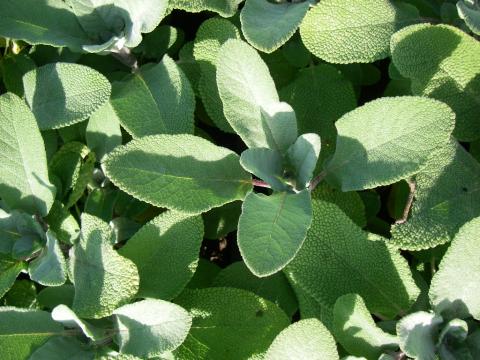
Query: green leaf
23,294
24,182
174,167
63,223
266,164
49,268
63,94
49,22
303,157
250,100
320,95
338,258
225,8
103,279
13,67
447,196
64,315
157,99
61,348
22,331
274,288
374,150
149,328
469,11
344,32
16,226
211,35
271,230
223,220
305,339
229,324
416,333
267,25
9,270
53,296
165,252
355,329
453,290
103,132
443,63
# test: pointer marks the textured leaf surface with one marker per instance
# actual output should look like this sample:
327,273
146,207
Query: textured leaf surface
469,11
355,329
225,8
63,94
24,182
229,324
61,348
12,68
266,164
250,100
166,253
150,327
374,150
180,172
267,25
210,37
305,339
303,157
447,196
49,268
157,99
343,32
443,63
64,315
103,279
9,270
272,229
455,288
22,331
338,258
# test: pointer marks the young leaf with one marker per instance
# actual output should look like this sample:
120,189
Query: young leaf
49,268
266,164
306,339
343,32
63,223
165,252
61,348
64,315
274,288
355,329
303,157
63,94
150,328
374,149
157,99
17,225
9,270
174,167
338,258
211,35
267,25
443,63
22,331
416,333
446,197
453,291
250,100
24,182
469,11
229,324
225,8
271,230
103,279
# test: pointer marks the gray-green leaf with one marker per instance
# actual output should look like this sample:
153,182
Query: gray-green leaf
469,11
64,315
266,164
303,157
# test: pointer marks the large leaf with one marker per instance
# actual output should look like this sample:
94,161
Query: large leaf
150,328
157,99
103,279
210,37
250,100
447,196
338,258
267,25
24,182
443,63
225,8
62,94
455,289
469,11
61,348
272,229
22,331
374,149
306,339
165,170
229,324
65,316
355,329
166,253
342,31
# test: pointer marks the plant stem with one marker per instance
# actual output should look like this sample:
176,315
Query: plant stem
317,180
408,205
260,183
125,56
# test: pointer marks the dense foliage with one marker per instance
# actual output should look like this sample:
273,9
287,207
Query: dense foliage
229,179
